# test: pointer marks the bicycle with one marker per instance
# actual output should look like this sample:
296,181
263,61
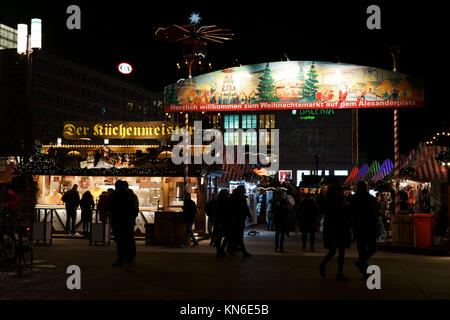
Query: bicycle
8,244
16,250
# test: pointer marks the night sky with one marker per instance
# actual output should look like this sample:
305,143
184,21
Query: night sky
112,32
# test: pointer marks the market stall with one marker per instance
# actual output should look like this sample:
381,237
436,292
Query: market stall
423,198
154,194
158,184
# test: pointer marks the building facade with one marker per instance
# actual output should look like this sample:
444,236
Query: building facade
311,142
61,90
8,37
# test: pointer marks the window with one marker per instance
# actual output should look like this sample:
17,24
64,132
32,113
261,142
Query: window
213,121
300,173
228,139
327,172
267,121
250,137
249,121
232,138
232,122
341,172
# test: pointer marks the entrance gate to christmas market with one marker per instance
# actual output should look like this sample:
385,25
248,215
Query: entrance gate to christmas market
293,85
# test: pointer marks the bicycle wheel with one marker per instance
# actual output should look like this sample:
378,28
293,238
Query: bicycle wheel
9,247
26,248
27,256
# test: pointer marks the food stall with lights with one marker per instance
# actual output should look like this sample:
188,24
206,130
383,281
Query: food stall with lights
157,182
423,197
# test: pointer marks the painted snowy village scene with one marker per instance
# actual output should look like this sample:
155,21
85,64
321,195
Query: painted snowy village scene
304,82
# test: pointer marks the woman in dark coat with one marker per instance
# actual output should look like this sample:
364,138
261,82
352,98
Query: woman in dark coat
309,220
279,210
222,222
336,229
102,204
87,204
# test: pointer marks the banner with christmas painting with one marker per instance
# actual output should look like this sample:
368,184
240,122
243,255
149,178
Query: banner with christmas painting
290,85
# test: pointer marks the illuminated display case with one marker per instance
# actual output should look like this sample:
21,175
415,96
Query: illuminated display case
154,193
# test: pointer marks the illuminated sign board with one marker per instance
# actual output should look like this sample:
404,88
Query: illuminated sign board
294,85
125,68
310,114
284,175
122,130
36,33
22,38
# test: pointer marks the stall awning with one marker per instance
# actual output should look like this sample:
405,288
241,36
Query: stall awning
373,170
405,161
361,173
352,175
385,169
425,165
234,170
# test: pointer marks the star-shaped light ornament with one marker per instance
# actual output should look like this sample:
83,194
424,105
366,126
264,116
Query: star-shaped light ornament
195,18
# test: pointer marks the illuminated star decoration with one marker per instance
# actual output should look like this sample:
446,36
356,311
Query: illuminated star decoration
195,18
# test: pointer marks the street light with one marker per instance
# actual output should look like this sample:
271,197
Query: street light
25,46
317,164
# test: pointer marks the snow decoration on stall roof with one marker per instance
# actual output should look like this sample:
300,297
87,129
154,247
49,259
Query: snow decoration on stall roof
102,164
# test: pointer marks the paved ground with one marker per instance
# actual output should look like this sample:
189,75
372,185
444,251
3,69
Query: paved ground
165,273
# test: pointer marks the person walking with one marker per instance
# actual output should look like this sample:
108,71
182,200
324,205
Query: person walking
102,206
336,229
189,212
11,206
87,204
72,200
210,210
269,216
222,222
381,209
363,210
309,220
280,209
135,213
122,206
240,212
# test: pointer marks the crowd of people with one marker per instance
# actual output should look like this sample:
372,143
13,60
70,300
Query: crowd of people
72,201
227,215
119,207
345,218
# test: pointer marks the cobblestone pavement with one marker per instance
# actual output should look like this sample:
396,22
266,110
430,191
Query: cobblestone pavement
166,273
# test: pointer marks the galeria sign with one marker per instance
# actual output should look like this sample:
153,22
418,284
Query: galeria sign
122,130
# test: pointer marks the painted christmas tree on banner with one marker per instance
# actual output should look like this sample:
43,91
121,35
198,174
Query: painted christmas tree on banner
310,87
266,89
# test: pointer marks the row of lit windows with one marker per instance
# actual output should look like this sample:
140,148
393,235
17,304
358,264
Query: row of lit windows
248,138
84,93
232,138
7,28
266,121
9,44
301,173
5,34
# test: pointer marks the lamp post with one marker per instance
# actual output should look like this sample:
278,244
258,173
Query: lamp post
25,46
317,164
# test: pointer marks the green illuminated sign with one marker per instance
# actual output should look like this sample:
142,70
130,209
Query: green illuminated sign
310,114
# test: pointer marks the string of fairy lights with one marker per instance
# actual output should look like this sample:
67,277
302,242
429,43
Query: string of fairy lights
440,138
